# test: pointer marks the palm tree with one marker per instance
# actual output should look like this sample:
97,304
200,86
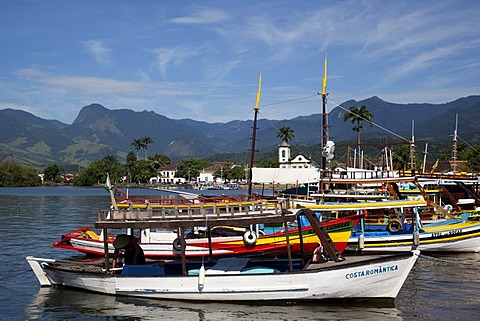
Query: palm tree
146,140
137,143
286,134
357,115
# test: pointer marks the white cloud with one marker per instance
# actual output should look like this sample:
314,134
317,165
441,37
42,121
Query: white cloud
203,16
168,56
97,50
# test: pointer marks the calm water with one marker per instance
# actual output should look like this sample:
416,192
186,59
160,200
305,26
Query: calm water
440,288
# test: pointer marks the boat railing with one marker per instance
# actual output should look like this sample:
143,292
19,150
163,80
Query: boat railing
185,201
152,211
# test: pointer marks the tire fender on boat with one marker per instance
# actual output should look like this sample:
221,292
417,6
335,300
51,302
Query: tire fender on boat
250,238
394,225
177,244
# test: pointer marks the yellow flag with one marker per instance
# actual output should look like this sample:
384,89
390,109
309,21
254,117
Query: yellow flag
258,92
324,82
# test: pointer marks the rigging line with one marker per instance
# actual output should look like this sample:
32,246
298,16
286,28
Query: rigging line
478,152
375,124
290,100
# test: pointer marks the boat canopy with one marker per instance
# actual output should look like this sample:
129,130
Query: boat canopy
285,175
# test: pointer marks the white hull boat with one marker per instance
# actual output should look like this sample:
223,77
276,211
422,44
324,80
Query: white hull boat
357,277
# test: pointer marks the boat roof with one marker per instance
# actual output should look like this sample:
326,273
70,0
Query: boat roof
351,206
379,180
148,219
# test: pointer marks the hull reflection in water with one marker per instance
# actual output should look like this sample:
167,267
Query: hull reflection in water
70,303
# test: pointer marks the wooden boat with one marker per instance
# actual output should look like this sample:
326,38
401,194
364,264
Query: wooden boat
261,239
233,278
393,224
453,235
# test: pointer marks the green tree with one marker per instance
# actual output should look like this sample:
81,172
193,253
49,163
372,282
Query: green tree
90,175
130,166
137,143
268,163
235,173
286,134
53,173
146,140
15,175
472,156
96,172
190,168
142,171
357,115
401,157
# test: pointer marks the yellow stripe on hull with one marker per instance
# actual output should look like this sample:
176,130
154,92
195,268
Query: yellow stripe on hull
443,228
365,205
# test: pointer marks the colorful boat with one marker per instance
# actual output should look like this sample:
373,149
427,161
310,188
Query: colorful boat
454,235
261,239
236,279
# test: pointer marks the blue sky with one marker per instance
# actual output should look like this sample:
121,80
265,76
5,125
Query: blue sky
202,59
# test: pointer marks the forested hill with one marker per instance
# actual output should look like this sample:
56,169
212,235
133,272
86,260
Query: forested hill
98,131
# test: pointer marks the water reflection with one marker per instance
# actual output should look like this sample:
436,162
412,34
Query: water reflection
61,303
441,287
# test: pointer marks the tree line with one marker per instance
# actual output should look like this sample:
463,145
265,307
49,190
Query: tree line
139,171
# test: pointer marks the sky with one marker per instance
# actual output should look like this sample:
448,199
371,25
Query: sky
202,59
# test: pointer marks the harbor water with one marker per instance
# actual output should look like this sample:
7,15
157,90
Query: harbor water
440,287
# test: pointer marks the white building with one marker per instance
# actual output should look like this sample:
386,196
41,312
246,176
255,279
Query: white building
285,160
166,175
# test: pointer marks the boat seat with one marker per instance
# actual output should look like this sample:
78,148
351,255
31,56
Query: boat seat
230,265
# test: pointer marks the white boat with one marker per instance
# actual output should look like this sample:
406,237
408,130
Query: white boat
233,278
360,277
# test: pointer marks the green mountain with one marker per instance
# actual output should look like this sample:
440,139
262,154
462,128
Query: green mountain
98,131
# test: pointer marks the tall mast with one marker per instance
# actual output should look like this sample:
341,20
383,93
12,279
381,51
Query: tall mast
425,157
254,136
454,151
324,116
412,148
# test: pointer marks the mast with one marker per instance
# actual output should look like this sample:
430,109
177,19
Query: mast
324,116
425,157
412,148
454,151
254,136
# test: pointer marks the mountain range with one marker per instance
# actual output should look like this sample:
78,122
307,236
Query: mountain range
98,131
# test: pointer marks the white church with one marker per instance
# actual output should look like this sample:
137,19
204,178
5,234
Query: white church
285,160
290,171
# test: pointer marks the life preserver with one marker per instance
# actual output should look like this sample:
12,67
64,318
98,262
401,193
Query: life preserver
448,208
177,244
250,238
394,226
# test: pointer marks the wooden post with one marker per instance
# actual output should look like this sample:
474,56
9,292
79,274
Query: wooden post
210,251
183,245
289,250
105,249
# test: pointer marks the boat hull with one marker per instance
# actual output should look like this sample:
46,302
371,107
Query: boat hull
380,277
458,237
